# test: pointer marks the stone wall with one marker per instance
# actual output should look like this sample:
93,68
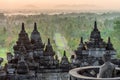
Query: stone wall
53,76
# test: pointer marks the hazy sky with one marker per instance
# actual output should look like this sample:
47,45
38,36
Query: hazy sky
60,4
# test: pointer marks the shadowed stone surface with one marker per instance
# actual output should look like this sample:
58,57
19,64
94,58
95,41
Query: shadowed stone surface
84,73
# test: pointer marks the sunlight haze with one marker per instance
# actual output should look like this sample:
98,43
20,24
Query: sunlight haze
61,4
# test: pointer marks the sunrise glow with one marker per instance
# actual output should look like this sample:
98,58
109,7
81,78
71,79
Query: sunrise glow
60,4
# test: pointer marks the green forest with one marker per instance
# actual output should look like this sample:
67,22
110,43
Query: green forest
64,30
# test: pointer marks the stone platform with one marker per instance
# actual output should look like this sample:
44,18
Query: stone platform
89,73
